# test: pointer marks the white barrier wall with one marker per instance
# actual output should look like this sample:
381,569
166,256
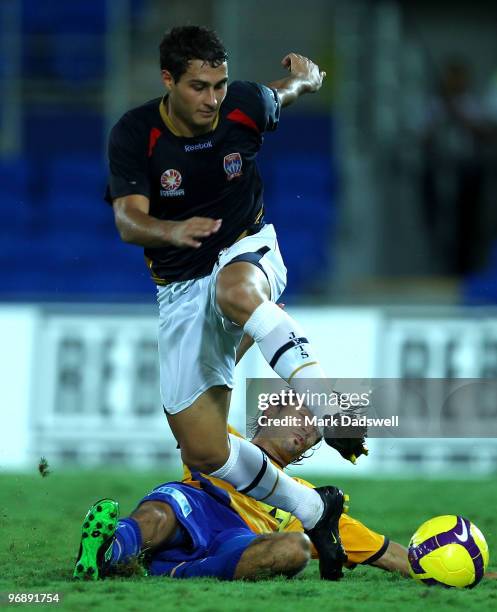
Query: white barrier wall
18,336
80,384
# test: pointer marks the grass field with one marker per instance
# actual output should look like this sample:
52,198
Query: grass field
40,521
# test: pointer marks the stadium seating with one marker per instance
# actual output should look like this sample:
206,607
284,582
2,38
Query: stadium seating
75,16
65,231
58,235
15,211
65,40
300,195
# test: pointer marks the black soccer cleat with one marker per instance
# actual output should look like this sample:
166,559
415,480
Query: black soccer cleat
325,534
97,537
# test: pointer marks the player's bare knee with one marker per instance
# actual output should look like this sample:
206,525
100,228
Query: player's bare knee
153,522
288,553
238,296
297,551
235,300
145,513
160,518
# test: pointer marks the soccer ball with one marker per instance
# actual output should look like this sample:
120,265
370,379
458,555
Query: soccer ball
449,551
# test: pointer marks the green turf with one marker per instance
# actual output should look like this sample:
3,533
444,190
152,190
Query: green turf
40,522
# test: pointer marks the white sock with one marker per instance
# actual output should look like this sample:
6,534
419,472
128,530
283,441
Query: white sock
250,471
286,348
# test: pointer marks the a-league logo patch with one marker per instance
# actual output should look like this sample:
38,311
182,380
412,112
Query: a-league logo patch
232,165
170,181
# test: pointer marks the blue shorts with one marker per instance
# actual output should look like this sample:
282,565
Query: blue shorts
216,535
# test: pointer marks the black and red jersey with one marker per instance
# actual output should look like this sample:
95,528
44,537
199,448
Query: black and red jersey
214,175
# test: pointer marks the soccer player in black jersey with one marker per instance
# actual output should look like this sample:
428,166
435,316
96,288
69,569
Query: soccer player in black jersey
185,186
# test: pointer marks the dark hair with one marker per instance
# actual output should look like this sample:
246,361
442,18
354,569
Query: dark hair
185,43
253,429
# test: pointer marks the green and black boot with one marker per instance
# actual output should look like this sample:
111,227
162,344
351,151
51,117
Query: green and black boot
97,537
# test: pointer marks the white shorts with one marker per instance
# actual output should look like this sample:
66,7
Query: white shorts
197,345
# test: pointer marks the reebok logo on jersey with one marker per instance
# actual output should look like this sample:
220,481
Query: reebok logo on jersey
199,146
171,181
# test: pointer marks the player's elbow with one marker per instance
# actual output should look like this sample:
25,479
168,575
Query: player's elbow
128,214
127,230
125,233
122,224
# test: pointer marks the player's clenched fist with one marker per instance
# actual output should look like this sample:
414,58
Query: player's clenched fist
189,232
305,69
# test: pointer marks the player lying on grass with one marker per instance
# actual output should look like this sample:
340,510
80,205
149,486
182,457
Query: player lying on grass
204,527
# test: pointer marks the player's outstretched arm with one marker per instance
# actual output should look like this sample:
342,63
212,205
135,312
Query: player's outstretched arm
305,77
394,559
136,226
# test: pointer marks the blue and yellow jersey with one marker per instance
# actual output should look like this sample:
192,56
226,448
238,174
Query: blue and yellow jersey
361,544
